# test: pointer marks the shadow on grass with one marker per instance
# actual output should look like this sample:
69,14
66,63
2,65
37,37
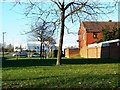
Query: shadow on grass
51,62
28,62
90,61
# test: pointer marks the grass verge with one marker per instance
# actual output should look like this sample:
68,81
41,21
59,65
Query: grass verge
73,73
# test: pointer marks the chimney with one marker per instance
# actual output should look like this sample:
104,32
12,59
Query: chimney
110,20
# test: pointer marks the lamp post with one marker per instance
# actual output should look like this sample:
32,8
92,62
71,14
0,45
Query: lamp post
3,47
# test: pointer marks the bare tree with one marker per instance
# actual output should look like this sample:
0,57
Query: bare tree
68,10
42,31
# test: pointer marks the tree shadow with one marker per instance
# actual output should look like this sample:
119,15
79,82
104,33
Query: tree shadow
52,62
90,61
28,62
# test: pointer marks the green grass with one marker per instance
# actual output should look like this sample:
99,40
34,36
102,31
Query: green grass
73,73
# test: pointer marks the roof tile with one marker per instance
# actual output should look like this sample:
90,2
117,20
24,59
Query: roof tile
99,26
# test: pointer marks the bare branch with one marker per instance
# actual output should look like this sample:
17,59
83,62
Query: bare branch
68,5
58,4
77,9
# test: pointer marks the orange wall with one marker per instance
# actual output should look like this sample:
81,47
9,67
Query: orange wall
86,38
111,51
72,53
91,40
81,34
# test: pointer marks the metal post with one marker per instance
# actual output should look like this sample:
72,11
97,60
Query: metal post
43,50
3,47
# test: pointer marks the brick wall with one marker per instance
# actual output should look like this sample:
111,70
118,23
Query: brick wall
111,51
91,40
90,52
94,52
82,36
69,53
83,52
86,38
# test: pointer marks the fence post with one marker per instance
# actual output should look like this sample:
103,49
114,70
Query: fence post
87,52
96,52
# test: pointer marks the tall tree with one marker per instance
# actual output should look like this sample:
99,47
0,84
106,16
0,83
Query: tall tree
68,10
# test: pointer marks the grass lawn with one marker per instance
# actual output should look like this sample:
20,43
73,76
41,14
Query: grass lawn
73,73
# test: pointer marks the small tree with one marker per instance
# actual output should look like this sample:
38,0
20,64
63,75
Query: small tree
116,33
42,31
0,46
110,34
10,48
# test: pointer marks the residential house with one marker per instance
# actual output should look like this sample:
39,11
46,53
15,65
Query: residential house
90,32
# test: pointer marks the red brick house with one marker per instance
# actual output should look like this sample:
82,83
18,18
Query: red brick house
90,32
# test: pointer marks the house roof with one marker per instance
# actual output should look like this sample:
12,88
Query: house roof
99,26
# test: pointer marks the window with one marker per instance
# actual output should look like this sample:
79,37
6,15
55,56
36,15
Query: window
95,35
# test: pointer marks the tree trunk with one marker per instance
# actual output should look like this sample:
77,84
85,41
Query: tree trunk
41,45
40,49
61,39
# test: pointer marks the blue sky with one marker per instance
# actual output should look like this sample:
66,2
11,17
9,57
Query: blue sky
14,23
